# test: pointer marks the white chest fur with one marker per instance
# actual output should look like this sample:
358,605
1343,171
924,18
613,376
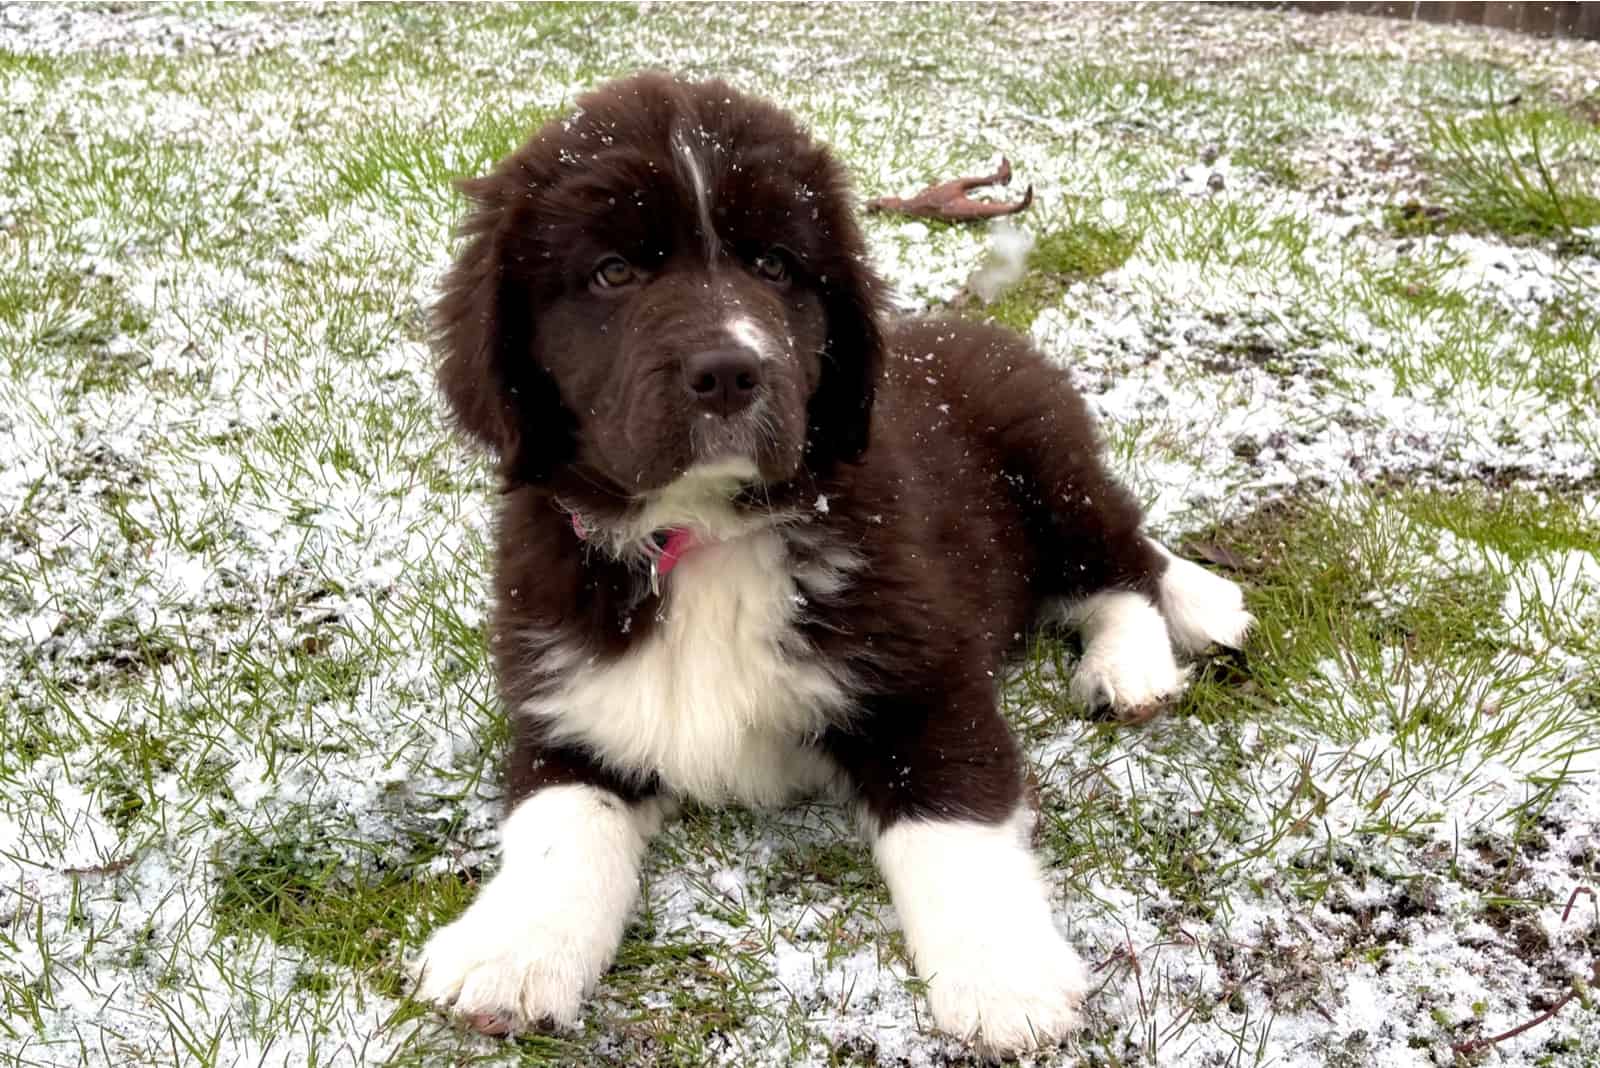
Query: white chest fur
718,698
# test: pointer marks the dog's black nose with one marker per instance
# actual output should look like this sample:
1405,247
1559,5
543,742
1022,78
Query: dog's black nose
725,381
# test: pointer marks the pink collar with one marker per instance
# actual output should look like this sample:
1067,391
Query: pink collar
673,544
668,547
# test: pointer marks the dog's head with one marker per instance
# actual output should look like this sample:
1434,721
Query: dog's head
669,280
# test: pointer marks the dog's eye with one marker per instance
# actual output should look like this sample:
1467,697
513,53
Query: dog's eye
772,265
614,272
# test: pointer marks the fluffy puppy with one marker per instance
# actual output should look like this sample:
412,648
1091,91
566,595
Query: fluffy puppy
756,540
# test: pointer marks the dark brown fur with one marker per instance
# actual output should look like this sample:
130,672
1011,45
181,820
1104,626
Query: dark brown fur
960,465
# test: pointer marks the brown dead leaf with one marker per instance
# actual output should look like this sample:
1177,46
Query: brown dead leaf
1219,555
949,200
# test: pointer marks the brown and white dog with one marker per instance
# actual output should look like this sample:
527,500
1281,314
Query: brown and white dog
757,541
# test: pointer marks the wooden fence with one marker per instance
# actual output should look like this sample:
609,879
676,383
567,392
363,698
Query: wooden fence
1551,20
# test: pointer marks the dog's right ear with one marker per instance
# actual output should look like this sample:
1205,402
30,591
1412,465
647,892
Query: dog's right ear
484,334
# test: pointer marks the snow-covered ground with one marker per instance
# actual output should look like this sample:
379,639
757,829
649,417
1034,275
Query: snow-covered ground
247,733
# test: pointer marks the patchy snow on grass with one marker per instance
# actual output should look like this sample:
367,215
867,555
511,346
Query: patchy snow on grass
247,729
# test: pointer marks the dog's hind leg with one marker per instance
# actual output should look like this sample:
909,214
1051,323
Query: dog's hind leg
1112,583
1084,526
1202,608
1092,556
1088,527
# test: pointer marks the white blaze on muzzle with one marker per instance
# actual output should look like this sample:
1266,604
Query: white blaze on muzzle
752,338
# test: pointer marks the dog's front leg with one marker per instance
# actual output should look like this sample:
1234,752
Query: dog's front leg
547,925
943,793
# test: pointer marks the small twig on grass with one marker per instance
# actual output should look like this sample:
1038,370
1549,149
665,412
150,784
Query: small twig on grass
1578,988
1125,952
1566,913
1138,972
115,867
1120,953
949,200
1321,1011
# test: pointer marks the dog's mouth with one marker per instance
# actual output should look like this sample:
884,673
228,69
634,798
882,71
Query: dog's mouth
710,502
653,442
711,483
716,442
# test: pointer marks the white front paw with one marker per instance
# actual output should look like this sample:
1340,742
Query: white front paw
1008,996
977,920
1128,679
543,930
502,973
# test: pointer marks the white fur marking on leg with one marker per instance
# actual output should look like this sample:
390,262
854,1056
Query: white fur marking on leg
1202,608
1127,654
547,925
976,915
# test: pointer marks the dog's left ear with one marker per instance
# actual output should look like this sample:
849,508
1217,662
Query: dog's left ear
839,417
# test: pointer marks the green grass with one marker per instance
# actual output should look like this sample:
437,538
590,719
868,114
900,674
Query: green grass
348,914
1514,171
1119,89
73,318
1373,617
1078,251
392,162
1269,157
249,731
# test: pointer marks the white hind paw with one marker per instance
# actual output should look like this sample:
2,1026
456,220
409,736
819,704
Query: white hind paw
1202,608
